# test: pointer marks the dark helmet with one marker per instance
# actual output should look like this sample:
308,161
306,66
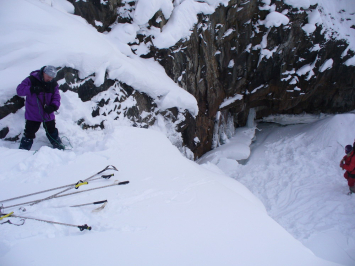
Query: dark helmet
348,149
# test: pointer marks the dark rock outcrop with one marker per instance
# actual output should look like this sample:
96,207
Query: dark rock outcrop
85,88
3,132
11,106
224,57
99,13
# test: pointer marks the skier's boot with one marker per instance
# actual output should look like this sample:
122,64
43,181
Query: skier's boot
352,190
26,143
55,140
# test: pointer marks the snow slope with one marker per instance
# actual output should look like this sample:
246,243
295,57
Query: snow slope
294,171
173,211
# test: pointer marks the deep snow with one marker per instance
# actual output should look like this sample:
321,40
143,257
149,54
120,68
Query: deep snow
173,212
303,188
294,170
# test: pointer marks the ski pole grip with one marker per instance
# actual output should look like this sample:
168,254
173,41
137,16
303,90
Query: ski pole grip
99,202
83,227
123,183
107,176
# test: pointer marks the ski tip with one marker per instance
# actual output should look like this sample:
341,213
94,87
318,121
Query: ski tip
100,208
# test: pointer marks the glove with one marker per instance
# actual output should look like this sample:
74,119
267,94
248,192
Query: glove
50,108
341,165
36,90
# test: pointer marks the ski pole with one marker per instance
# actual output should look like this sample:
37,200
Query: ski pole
81,227
341,145
103,202
87,179
85,204
58,196
76,186
77,192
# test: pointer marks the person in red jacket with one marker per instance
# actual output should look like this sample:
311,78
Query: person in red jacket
348,164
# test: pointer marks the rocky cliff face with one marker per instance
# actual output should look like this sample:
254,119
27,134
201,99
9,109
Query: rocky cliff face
276,70
232,63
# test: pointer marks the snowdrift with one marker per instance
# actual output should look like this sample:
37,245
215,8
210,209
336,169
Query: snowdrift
294,171
173,212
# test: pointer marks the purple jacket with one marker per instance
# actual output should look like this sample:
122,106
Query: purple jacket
34,106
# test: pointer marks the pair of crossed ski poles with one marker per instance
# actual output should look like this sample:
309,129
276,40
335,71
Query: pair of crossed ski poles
57,195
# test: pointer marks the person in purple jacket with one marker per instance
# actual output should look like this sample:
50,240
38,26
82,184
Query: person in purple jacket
42,99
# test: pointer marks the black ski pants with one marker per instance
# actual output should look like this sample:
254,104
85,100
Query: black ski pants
32,127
